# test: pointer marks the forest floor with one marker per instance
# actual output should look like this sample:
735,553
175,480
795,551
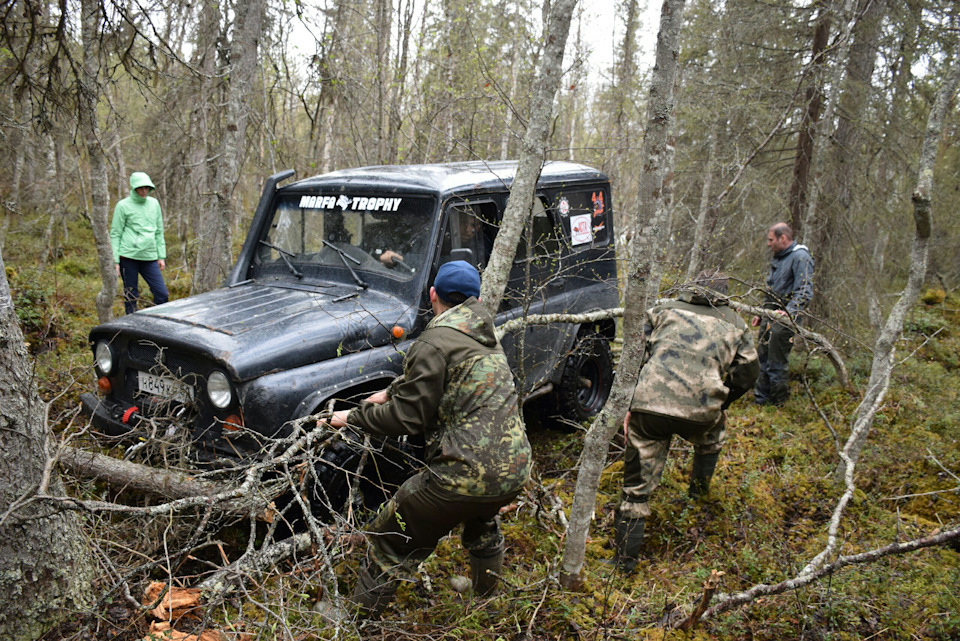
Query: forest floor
766,515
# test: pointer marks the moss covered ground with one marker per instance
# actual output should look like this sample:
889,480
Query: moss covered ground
765,517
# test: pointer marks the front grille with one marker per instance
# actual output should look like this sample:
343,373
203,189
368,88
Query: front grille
146,356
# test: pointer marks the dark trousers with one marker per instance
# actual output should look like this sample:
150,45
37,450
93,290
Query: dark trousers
408,527
773,348
648,443
130,271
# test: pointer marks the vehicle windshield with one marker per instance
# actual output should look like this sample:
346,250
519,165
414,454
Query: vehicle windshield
387,235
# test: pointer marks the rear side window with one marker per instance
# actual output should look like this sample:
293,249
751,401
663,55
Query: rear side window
539,238
584,216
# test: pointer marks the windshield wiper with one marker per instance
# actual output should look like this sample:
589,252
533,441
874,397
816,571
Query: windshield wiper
283,254
345,258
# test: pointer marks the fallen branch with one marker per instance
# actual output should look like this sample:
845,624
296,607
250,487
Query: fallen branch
818,339
169,484
709,588
253,563
804,579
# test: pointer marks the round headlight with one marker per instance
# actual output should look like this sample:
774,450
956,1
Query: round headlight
219,390
103,358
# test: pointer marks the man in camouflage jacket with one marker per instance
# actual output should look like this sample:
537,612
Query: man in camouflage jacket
700,357
457,391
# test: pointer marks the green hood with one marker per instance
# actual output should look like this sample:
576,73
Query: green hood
140,179
468,318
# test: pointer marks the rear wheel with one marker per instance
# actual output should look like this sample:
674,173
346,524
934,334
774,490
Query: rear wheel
586,380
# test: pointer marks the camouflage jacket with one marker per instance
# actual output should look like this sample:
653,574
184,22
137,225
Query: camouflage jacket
700,357
457,390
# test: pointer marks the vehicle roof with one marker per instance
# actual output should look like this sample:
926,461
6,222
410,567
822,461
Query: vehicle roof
447,177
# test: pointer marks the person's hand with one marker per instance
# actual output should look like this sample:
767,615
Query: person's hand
162,263
388,257
378,398
118,268
780,312
626,427
755,321
337,419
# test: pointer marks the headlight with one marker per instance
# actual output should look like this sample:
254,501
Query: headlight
219,390
103,357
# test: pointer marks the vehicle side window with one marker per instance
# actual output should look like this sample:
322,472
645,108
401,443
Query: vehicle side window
584,216
539,238
469,231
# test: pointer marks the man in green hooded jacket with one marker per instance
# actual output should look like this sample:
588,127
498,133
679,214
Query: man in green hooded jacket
139,249
457,391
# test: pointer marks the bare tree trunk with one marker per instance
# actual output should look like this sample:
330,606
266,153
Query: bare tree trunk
88,97
700,232
46,571
643,280
556,29
885,347
801,167
215,248
822,130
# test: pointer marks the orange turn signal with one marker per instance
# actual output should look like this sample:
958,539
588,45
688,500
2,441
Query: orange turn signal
232,423
103,384
397,331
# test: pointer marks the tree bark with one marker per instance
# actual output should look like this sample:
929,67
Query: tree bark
805,149
88,98
698,252
643,280
556,29
216,240
885,347
46,570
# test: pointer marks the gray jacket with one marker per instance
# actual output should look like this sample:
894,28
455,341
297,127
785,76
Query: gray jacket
791,278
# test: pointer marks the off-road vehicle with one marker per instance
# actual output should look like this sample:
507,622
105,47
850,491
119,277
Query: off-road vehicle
332,284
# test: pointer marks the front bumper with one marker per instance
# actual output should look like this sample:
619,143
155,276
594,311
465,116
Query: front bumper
108,415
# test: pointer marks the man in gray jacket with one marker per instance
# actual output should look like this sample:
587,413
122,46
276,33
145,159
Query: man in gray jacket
789,290
700,358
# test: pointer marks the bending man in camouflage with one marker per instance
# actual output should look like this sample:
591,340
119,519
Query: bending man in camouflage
700,357
457,391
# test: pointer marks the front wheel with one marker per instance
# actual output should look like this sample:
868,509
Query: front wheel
586,380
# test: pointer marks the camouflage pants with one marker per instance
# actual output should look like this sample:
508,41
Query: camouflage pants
773,347
408,527
648,443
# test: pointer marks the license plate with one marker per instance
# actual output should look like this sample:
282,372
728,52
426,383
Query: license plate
165,387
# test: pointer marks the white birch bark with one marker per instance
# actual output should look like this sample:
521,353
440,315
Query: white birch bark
88,98
885,347
643,279
556,29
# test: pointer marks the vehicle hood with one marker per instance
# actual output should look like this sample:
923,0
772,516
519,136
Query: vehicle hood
254,329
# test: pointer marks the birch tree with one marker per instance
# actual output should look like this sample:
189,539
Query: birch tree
555,31
885,347
214,253
643,279
88,98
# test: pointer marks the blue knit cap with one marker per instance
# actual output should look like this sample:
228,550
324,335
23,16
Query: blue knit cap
457,276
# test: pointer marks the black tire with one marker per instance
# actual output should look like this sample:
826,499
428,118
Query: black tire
586,380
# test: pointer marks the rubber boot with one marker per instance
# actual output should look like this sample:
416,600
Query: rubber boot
628,539
485,583
374,592
703,468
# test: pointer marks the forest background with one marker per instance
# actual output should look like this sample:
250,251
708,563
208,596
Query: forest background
811,112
